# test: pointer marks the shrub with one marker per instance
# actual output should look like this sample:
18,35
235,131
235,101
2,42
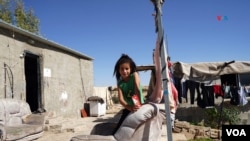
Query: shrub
228,115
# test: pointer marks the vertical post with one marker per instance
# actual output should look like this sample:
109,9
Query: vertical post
5,81
163,64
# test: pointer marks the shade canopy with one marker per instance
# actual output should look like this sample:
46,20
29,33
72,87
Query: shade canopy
206,71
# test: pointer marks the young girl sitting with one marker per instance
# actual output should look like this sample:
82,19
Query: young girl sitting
128,85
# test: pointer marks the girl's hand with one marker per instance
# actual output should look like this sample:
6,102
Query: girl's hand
134,108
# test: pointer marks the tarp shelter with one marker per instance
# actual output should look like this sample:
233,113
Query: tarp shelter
207,71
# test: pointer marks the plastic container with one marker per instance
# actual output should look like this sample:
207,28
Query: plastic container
97,108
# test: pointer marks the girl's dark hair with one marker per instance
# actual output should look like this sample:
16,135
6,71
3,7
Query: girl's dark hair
124,59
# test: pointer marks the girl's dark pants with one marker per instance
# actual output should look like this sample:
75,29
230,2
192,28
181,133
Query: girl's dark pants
125,113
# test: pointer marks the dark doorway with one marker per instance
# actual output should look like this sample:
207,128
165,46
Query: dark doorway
229,79
33,81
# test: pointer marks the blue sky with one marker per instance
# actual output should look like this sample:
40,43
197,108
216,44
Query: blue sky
104,30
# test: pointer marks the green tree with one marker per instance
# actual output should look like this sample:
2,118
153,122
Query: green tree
19,16
26,19
5,13
32,21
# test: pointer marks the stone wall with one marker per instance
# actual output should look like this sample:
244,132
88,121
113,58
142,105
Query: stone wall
195,132
195,114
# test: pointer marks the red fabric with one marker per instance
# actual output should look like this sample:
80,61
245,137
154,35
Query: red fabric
157,93
169,64
175,94
218,90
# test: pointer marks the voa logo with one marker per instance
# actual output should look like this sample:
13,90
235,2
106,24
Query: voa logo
236,132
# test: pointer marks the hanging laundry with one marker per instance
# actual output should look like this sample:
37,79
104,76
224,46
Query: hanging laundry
218,91
235,96
247,88
242,96
227,92
207,100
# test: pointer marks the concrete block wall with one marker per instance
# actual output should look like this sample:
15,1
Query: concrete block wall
62,93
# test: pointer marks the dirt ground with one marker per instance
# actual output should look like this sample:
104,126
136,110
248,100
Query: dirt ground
70,127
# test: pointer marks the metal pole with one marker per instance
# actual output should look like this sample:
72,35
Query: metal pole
5,81
164,68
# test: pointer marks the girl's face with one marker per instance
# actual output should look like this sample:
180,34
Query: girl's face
125,70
